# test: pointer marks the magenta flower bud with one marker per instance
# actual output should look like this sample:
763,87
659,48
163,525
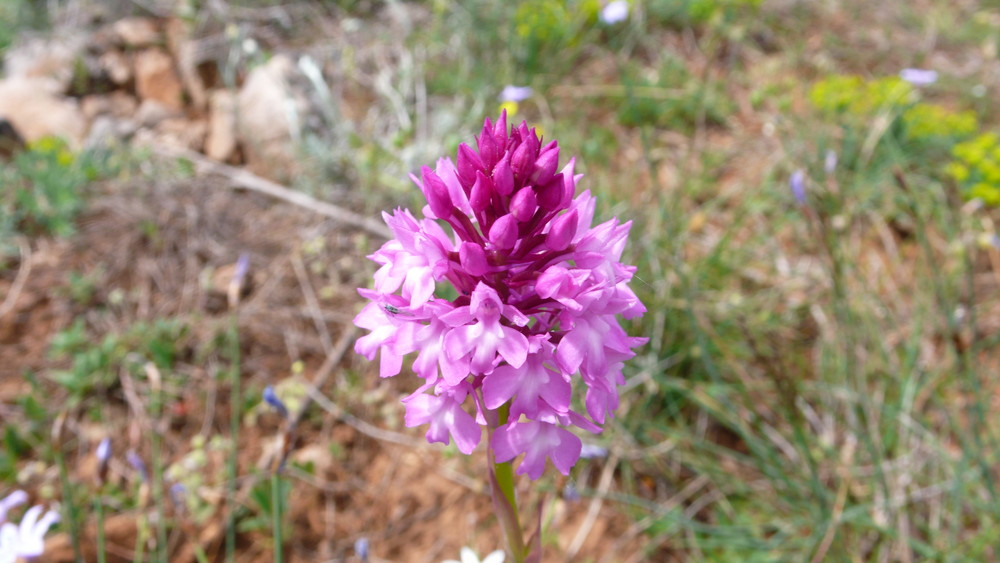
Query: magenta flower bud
524,204
500,131
550,196
468,163
562,231
545,166
503,176
436,192
479,199
473,259
488,148
522,161
503,233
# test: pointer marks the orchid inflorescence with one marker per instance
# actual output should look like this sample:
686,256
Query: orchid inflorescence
516,309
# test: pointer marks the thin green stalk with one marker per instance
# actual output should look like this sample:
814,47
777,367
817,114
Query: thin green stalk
140,540
157,478
99,509
235,404
69,507
277,515
503,474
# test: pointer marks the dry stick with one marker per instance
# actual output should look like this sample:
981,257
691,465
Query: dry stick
595,506
313,303
251,181
19,281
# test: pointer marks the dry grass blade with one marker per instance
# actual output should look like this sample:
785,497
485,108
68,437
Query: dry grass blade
20,280
246,179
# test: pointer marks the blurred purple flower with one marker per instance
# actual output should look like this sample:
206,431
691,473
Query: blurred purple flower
361,549
271,398
797,183
538,294
919,76
614,12
591,451
103,451
512,93
23,540
136,462
570,493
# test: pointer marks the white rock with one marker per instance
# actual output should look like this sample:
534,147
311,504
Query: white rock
220,143
35,111
269,113
156,79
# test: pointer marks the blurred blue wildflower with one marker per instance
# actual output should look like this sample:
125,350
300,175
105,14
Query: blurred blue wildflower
136,462
798,185
361,549
238,281
103,451
919,76
614,12
570,492
512,93
271,398
590,451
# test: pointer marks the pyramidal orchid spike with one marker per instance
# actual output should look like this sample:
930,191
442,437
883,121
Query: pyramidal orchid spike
517,303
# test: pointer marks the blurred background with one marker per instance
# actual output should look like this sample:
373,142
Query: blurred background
188,191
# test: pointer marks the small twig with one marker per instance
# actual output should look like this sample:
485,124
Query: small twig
362,426
323,373
595,506
251,181
20,280
313,303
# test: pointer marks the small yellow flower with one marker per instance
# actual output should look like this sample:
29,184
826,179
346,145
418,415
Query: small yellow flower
510,107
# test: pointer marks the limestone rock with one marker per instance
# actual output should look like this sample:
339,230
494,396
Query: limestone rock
221,141
269,115
53,59
36,111
152,112
155,78
182,133
116,66
137,32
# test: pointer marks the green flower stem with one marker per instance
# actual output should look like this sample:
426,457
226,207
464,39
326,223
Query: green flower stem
277,516
235,404
99,508
504,482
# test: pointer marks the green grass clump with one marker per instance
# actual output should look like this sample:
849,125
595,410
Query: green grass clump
851,95
927,121
680,13
44,188
95,366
